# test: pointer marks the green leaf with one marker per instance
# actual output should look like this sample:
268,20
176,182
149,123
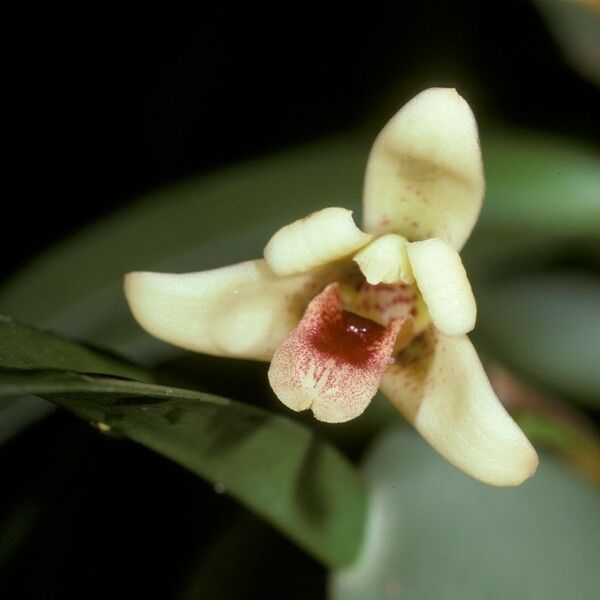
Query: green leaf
275,466
434,533
24,347
18,413
215,220
546,327
206,222
538,185
534,184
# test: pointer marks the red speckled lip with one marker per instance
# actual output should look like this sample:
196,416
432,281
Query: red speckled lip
346,337
333,361
385,302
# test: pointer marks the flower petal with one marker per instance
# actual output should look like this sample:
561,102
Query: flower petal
444,285
243,310
425,175
385,260
439,384
333,361
321,237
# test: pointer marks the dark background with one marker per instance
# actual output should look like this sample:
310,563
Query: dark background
107,103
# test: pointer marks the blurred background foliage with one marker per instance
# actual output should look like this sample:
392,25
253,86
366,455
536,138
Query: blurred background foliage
178,139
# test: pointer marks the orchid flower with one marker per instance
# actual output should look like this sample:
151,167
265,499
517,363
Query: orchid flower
341,313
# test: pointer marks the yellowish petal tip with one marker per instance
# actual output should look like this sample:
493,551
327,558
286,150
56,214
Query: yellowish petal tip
319,238
530,465
424,175
443,390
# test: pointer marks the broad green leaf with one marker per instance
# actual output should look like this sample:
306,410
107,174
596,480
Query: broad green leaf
272,464
24,347
548,328
536,184
434,533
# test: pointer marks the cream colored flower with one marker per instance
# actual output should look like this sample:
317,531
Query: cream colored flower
341,313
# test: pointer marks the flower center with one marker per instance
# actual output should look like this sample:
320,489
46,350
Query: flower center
380,304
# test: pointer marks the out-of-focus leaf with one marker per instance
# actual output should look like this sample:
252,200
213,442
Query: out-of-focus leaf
534,184
272,464
576,25
434,533
548,328
538,184
580,448
207,222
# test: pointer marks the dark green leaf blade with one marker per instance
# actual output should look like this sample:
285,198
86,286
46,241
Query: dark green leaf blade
25,347
275,466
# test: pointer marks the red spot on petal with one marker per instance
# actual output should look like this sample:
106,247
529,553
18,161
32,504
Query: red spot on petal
384,302
348,337
333,361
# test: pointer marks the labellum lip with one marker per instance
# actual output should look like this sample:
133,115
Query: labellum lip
348,338
333,361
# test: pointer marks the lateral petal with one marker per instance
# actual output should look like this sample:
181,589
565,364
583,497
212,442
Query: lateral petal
425,175
439,385
320,238
243,310
444,285
333,361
